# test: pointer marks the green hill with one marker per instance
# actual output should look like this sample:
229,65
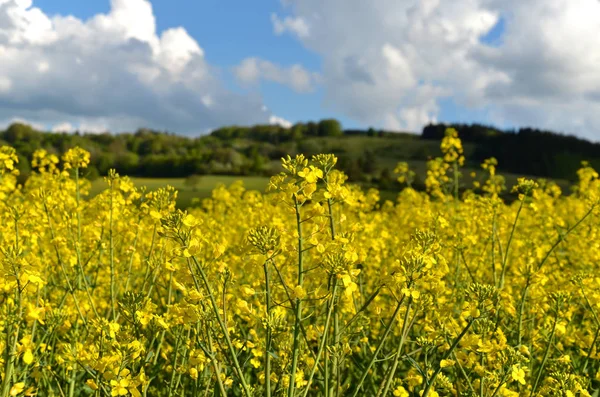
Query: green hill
367,156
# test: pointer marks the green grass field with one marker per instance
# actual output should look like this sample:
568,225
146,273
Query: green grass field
387,153
187,193
208,182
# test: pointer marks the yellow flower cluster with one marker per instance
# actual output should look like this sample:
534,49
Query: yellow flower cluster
315,288
452,147
405,174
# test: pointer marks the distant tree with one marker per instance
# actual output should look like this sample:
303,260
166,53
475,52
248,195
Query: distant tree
312,129
127,163
18,132
297,132
103,162
309,147
240,150
330,127
258,163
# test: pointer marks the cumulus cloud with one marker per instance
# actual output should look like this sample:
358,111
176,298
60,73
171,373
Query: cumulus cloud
5,122
63,127
253,70
391,62
5,84
113,71
280,121
295,25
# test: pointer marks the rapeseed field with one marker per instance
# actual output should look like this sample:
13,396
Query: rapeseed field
313,288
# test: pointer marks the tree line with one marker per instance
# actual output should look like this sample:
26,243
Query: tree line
256,150
527,150
234,150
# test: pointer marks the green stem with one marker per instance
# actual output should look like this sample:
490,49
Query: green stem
174,369
448,353
562,237
215,308
386,333
512,233
129,267
392,371
78,245
215,364
502,381
495,276
546,354
336,328
298,311
269,332
72,384
9,358
587,301
464,374
289,296
323,339
331,222
482,379
11,349
62,267
521,309
364,307
587,358
112,255
335,364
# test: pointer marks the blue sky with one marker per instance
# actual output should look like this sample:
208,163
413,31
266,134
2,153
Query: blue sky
229,31
393,65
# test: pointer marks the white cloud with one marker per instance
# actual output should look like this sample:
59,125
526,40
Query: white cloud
252,70
296,25
94,127
176,50
390,62
113,71
280,121
63,127
43,67
131,19
248,71
207,101
5,84
22,24
7,122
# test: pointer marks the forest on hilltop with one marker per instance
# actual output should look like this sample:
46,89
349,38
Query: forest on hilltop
365,155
